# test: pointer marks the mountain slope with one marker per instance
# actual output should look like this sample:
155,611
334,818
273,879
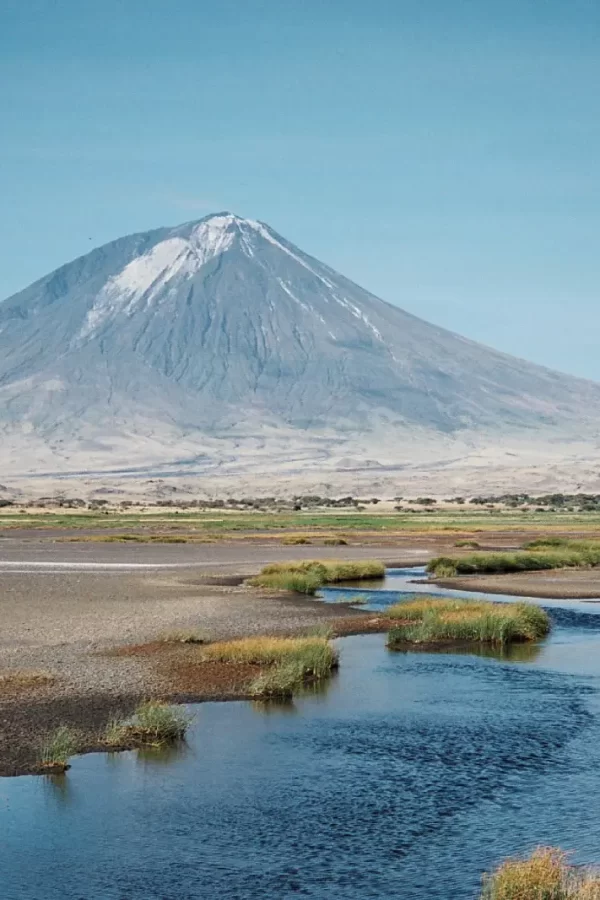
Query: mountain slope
220,329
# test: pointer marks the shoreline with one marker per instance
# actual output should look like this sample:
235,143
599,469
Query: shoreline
553,584
185,679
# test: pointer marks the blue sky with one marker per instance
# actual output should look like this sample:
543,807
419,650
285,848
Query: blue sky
445,155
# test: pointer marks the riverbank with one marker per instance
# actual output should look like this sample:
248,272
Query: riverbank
82,628
555,584
82,623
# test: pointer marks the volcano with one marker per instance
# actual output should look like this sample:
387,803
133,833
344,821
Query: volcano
194,343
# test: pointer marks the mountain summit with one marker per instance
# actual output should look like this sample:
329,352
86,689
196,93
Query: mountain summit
160,345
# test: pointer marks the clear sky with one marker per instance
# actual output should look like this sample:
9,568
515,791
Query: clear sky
445,154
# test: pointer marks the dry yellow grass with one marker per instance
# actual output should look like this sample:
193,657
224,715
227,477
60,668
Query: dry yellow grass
545,875
18,681
264,650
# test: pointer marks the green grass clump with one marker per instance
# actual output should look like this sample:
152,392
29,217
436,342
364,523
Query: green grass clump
472,545
58,748
572,554
153,723
307,576
298,582
430,620
279,681
545,875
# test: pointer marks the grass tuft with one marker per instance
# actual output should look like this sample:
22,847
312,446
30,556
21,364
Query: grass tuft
279,681
154,723
430,620
307,576
545,875
58,748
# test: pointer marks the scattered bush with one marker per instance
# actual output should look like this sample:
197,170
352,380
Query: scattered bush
292,539
430,620
335,542
545,875
473,545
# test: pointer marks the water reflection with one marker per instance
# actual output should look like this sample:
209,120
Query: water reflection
58,788
525,652
162,755
403,766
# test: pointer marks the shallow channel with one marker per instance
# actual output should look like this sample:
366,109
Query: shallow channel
406,778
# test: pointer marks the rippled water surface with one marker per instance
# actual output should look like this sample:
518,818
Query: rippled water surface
405,779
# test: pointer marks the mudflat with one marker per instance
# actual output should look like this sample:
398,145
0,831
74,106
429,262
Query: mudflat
66,607
555,584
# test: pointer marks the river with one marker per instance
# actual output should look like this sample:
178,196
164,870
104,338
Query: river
408,776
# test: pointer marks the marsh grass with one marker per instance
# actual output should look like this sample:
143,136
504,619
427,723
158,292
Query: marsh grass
288,663
569,554
430,620
154,723
545,875
314,652
307,576
280,681
58,747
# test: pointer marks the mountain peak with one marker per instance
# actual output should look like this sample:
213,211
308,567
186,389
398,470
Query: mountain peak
220,326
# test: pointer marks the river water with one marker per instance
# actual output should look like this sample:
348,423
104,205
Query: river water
405,778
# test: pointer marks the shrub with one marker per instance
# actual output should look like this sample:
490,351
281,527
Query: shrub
295,540
473,545
431,620
58,747
335,542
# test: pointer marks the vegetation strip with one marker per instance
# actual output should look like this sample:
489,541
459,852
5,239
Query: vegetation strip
543,554
430,620
307,576
545,875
